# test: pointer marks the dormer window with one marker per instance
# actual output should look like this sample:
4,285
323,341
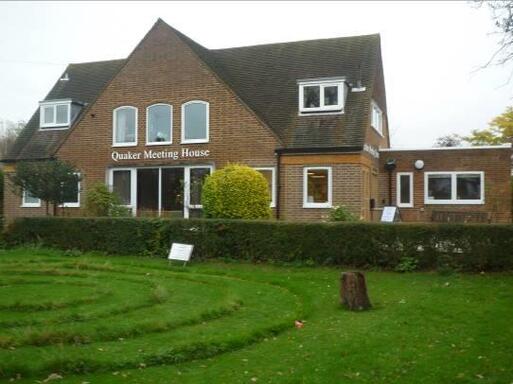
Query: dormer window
321,95
55,114
377,118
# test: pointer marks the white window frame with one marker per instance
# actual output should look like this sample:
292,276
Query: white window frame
187,182
133,186
376,118
273,183
148,125
398,189
77,204
307,204
195,141
339,83
24,204
114,121
454,200
53,125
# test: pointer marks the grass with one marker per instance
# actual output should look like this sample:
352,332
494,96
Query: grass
136,320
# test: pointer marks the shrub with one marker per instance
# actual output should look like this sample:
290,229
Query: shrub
102,202
236,192
462,247
341,213
406,264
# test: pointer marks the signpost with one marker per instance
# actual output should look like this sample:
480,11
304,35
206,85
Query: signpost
180,252
389,215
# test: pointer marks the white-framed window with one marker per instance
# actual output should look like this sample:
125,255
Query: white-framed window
73,199
54,114
454,187
29,201
159,124
404,189
124,126
321,95
270,175
195,122
317,187
197,176
376,118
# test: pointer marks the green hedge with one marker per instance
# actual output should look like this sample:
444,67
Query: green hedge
464,247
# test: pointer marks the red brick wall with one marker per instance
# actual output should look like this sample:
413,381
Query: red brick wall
495,163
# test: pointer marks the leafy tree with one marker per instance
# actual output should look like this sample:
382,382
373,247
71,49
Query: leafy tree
52,181
500,131
451,140
236,192
102,202
9,131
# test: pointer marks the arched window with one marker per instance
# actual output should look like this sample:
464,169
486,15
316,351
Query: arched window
125,126
159,121
195,122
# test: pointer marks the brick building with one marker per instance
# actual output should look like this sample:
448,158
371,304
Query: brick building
310,115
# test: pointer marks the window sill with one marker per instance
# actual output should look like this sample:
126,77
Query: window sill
159,143
120,145
54,128
378,132
320,113
317,205
455,202
70,205
405,205
30,205
194,141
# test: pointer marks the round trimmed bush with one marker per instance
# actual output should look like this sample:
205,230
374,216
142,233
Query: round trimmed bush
236,192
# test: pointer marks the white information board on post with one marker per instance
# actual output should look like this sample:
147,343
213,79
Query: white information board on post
389,214
181,252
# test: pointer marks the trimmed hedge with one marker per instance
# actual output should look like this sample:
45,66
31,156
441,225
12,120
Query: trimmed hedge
458,246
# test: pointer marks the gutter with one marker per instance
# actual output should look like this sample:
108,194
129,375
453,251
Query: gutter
309,150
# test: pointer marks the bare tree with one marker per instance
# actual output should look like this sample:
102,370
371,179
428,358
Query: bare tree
502,16
451,140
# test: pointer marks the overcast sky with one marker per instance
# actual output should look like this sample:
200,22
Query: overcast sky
431,50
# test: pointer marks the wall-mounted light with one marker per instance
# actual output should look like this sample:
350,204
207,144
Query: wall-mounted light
419,164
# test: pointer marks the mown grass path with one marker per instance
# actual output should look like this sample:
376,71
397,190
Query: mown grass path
98,319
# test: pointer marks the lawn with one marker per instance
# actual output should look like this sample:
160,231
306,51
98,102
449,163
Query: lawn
98,319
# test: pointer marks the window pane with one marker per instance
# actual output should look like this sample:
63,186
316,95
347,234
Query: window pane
195,123
159,123
29,198
311,96
48,113
125,125
317,186
268,174
148,189
71,194
331,95
468,187
198,176
439,187
121,182
62,114
172,189
404,183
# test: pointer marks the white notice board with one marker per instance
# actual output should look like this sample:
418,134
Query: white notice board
389,214
180,252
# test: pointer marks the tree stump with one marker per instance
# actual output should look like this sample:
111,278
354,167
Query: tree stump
353,291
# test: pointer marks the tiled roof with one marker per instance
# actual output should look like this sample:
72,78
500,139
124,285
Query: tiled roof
86,81
264,77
